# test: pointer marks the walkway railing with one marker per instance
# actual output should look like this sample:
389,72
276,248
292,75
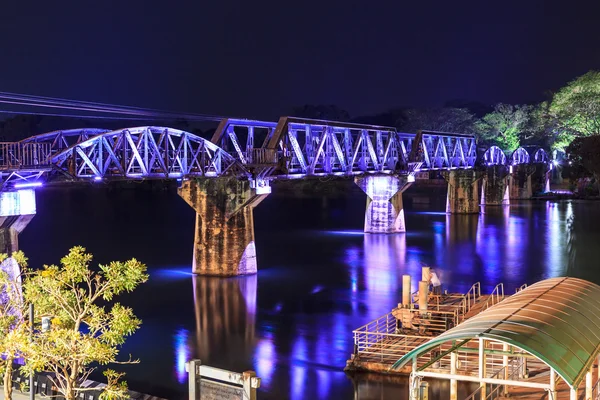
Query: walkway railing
523,286
471,297
384,338
494,389
496,296
15,155
379,340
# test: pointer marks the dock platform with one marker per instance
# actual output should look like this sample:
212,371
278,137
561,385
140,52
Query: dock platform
540,343
381,342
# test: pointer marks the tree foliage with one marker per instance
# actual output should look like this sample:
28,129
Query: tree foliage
14,331
458,120
576,108
503,126
585,152
87,327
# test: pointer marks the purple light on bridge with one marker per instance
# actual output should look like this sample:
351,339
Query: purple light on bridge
27,185
97,178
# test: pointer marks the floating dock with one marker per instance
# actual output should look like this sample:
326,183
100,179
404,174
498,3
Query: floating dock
381,342
543,342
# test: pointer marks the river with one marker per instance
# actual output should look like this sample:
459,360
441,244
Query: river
319,278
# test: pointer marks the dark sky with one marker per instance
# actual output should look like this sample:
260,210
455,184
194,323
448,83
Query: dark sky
261,58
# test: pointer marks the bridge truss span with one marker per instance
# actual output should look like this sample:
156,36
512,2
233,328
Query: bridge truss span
299,147
147,152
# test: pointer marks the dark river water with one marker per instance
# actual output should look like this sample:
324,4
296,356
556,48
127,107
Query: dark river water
319,278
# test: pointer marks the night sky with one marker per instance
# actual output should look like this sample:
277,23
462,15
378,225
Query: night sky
261,58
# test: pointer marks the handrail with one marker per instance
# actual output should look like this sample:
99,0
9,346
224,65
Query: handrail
510,376
471,297
523,286
496,296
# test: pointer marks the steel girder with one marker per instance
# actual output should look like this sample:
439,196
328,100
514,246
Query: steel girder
146,152
258,150
304,147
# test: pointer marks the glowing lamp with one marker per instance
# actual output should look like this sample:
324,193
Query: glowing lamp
28,185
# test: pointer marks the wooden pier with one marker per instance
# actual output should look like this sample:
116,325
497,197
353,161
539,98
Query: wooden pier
540,343
380,343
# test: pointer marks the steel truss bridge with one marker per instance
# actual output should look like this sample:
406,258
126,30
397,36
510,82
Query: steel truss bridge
246,149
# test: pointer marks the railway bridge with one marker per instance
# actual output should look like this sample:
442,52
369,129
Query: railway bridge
224,178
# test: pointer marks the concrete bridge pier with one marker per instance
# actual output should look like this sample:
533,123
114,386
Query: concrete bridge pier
494,191
224,237
17,209
519,182
463,192
385,212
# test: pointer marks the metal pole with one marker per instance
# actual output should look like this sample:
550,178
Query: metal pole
31,385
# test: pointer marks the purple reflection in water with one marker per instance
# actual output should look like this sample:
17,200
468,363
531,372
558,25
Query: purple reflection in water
182,354
265,359
298,370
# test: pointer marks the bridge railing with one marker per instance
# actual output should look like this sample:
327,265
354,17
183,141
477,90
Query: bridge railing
15,155
261,156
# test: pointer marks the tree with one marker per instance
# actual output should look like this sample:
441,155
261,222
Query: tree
502,126
576,108
458,120
585,151
540,128
87,326
14,330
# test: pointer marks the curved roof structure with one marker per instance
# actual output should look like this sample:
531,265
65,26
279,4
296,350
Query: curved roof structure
556,320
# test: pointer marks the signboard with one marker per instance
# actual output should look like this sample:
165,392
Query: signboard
209,383
210,390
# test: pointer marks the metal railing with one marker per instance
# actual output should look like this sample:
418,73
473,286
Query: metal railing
523,286
261,156
496,296
494,391
471,297
15,155
385,339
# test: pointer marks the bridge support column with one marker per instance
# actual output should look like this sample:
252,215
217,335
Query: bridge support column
463,192
224,238
519,182
17,209
385,212
495,186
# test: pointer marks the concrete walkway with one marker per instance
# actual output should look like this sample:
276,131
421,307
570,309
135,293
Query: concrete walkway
20,396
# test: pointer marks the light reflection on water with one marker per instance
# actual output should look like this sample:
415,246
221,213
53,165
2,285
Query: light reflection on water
300,349
492,247
319,278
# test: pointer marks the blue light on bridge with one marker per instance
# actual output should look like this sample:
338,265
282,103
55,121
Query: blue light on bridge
28,185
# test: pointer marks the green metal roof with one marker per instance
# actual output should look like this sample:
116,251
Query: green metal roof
556,320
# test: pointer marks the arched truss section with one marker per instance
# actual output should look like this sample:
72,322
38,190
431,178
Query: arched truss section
33,154
540,156
146,152
61,140
315,147
520,156
494,156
